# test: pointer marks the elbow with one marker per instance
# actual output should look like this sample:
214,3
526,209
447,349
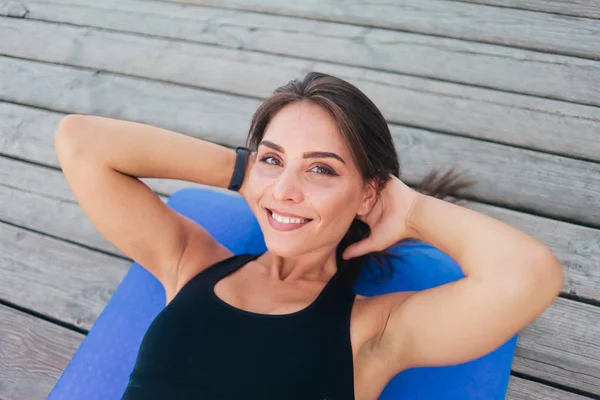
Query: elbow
550,272
69,125
68,136
534,281
542,279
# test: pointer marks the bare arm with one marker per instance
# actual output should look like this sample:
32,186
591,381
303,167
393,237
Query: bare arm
511,278
103,158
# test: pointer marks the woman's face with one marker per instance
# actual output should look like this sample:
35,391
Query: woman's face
304,188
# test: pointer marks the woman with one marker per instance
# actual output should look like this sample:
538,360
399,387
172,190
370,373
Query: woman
323,182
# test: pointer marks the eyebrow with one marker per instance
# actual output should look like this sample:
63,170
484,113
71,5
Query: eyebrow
308,154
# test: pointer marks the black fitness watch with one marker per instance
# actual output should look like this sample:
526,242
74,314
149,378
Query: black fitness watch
241,160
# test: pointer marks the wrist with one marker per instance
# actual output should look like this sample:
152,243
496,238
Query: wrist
239,170
250,161
225,171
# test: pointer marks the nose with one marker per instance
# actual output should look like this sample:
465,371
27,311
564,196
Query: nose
287,187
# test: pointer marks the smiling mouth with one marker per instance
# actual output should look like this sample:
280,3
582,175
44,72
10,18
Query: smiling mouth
282,223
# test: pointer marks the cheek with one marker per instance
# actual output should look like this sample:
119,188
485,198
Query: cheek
255,188
336,206
258,178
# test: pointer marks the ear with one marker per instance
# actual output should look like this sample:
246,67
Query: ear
369,199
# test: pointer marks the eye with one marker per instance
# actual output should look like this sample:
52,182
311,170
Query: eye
318,169
273,161
324,170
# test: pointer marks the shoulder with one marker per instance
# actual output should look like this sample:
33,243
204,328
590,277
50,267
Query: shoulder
201,251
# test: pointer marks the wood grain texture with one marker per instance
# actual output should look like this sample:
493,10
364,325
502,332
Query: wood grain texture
33,354
506,68
523,179
509,118
576,8
523,389
577,247
74,90
58,279
563,346
475,22
12,8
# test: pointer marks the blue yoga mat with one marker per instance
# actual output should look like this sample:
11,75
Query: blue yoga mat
101,366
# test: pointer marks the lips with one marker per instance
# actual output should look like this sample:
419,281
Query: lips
285,214
285,226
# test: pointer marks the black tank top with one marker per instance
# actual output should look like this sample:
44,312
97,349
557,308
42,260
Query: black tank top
200,347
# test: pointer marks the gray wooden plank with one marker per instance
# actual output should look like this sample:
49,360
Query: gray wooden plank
549,185
523,179
75,90
576,8
28,191
12,8
520,28
508,118
563,346
505,68
577,247
28,133
33,354
441,106
523,389
56,278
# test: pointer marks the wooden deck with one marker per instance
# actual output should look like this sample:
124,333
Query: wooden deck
508,90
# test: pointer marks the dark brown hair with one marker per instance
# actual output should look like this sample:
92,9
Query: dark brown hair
367,135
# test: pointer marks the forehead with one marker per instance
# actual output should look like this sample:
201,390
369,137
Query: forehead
306,126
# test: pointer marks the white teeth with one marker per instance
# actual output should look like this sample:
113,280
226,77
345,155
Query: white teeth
286,220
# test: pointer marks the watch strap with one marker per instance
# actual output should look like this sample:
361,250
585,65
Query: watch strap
239,170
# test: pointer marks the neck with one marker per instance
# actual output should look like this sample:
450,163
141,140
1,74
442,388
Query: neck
318,265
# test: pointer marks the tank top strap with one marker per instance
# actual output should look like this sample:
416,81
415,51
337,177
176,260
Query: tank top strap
339,294
224,267
206,278
235,262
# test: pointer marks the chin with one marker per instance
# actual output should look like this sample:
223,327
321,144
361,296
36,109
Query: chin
283,249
